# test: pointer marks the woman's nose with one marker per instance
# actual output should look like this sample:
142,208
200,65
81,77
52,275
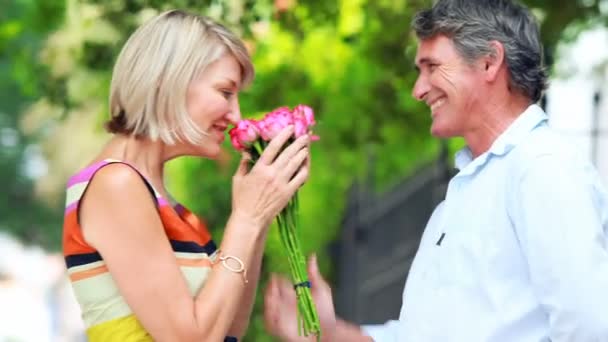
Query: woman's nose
235,114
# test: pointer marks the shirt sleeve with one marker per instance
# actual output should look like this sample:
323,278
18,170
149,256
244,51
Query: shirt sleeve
387,332
560,220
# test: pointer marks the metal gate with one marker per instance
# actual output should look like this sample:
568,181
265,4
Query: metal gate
379,238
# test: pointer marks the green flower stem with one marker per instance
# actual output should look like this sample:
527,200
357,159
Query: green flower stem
289,222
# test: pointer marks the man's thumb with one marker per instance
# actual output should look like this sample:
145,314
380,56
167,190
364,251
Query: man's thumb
313,270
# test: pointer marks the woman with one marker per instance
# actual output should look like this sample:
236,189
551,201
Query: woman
142,266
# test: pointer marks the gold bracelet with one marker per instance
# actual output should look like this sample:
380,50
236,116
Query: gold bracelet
225,258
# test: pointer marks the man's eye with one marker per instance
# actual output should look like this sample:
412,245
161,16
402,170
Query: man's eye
432,66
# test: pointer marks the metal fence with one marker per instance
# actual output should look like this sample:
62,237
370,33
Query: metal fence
379,238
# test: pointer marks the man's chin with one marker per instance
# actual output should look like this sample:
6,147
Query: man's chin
445,135
441,132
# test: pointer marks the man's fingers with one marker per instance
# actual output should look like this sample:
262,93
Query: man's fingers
271,305
316,279
313,268
286,291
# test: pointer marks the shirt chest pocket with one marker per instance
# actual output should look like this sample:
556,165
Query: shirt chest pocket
473,251
457,260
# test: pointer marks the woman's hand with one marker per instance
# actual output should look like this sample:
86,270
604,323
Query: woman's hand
260,194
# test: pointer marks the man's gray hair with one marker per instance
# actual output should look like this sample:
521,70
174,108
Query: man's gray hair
473,24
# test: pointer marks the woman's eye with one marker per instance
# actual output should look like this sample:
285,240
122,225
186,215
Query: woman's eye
227,94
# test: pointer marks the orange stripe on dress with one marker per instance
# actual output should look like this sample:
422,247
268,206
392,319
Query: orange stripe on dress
178,228
194,262
76,276
80,275
196,223
73,241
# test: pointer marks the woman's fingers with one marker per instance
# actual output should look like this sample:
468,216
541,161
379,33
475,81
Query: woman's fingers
243,164
274,147
276,176
294,164
298,179
292,150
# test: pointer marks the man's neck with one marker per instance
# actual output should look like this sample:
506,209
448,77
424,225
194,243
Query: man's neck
493,120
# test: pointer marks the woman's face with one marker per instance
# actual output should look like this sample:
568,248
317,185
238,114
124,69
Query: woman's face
212,103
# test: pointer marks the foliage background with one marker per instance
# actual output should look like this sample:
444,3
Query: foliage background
351,60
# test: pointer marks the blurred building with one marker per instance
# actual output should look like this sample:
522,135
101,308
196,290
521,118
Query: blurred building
577,99
37,304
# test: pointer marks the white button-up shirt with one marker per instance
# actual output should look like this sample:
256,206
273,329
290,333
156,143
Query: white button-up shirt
517,252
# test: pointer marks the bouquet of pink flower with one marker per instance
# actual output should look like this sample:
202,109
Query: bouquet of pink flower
253,136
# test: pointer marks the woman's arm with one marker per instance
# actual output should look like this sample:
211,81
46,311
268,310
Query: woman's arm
241,321
121,221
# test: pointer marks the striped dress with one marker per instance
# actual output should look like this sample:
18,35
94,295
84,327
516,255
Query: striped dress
106,315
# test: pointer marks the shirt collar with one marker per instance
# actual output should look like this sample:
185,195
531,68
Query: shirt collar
524,124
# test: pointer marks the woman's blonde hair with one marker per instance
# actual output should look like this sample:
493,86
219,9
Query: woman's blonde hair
154,69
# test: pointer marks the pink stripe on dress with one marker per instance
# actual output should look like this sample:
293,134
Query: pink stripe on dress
160,200
72,206
86,174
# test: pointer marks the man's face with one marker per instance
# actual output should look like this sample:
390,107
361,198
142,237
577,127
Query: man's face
451,87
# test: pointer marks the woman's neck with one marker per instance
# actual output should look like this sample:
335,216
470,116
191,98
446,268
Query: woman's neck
147,156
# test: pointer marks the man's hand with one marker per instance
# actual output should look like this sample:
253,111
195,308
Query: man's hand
280,307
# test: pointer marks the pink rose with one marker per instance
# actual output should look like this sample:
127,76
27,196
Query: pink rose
282,116
235,142
306,112
248,131
281,112
244,134
304,116
300,126
274,122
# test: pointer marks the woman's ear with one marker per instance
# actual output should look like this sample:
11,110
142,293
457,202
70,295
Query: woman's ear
494,61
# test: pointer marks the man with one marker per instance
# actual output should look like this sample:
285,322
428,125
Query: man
517,250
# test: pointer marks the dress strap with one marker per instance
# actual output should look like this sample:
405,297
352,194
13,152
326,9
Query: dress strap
155,194
78,184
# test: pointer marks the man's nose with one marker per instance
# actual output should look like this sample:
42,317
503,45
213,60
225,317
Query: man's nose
421,88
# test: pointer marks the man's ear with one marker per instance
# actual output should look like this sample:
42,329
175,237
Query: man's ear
494,61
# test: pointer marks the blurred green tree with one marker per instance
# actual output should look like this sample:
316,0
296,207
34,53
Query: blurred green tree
23,28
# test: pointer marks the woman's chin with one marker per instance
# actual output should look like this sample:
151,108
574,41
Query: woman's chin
210,152
206,151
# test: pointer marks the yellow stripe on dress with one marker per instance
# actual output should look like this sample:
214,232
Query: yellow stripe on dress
124,329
